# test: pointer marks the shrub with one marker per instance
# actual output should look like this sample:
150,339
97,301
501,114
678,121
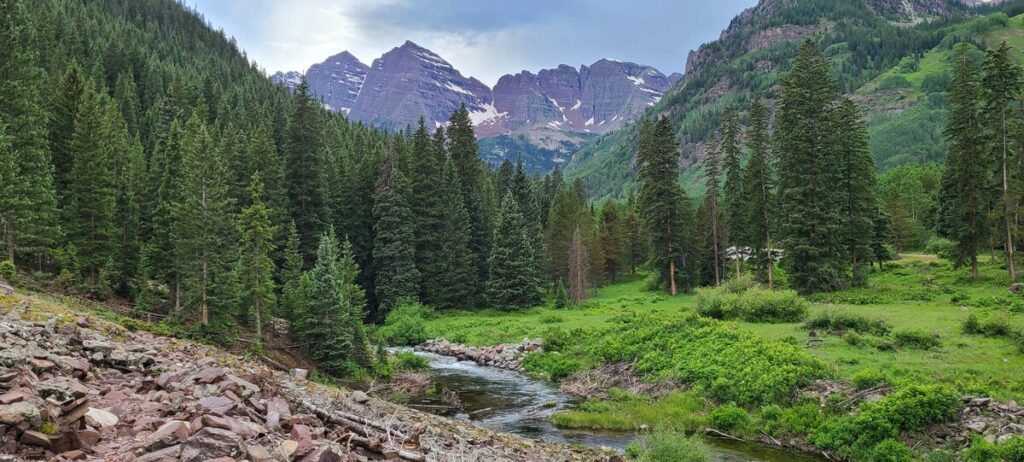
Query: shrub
668,447
555,366
407,361
752,305
7,270
869,378
1012,450
909,409
796,420
405,325
730,418
551,319
942,247
841,321
894,82
891,450
732,364
996,326
740,284
916,339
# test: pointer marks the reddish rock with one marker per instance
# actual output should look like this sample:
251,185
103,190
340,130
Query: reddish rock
169,434
210,443
277,409
209,375
168,454
77,454
215,405
34,438
88,437
11,397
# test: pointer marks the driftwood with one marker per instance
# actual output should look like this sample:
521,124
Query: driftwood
360,436
6,288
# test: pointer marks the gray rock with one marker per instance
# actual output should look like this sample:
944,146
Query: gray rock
210,443
977,426
14,414
298,374
360,397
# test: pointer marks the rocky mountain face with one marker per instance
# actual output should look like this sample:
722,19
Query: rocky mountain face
543,117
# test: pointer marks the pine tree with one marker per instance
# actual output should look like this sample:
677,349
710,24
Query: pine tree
204,232
67,95
857,187
713,175
306,194
733,189
661,198
579,267
612,239
130,174
354,303
394,246
811,219
425,203
966,171
91,187
255,267
9,201
30,216
127,98
324,315
759,185
458,286
636,238
464,153
568,212
1001,121
291,274
513,281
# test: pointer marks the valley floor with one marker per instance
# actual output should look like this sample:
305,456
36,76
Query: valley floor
917,296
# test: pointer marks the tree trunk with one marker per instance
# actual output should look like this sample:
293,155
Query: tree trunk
203,307
672,276
771,262
714,239
1006,209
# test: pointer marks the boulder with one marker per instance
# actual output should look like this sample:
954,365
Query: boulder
298,374
168,454
14,414
34,438
360,397
215,405
169,434
210,443
99,418
13,396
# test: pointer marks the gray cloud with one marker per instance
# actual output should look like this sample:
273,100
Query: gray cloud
482,38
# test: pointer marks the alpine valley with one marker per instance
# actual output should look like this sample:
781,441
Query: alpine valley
542,117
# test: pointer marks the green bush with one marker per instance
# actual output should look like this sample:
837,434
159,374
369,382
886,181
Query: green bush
891,450
551,319
942,247
797,420
869,378
668,447
407,361
751,305
839,322
730,418
909,409
732,364
405,325
916,339
740,284
894,82
555,366
996,326
7,270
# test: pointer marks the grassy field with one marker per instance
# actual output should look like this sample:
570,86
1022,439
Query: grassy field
916,293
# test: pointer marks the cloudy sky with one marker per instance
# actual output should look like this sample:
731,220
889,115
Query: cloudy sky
482,38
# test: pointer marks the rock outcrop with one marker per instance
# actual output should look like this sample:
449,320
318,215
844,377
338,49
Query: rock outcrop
506,356
83,389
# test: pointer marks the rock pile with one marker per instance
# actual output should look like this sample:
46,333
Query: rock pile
80,389
996,421
506,356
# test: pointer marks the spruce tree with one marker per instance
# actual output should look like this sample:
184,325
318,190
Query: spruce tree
713,175
354,304
204,231
31,217
324,315
513,280
91,187
1001,120
966,172
464,153
733,190
568,212
255,267
458,286
579,267
65,98
857,187
394,245
662,200
811,219
426,208
636,238
759,185
306,194
612,239
291,281
9,201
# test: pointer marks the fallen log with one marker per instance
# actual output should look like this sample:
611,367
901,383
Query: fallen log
375,446
351,421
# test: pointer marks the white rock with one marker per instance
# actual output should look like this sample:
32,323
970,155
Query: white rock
100,418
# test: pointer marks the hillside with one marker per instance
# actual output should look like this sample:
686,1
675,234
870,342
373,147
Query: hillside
864,40
77,386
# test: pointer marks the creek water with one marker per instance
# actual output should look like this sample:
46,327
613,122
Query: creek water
510,402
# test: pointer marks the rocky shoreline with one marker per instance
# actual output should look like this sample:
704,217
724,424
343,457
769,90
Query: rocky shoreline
77,388
507,356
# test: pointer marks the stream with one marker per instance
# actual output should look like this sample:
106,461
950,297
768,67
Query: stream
510,402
